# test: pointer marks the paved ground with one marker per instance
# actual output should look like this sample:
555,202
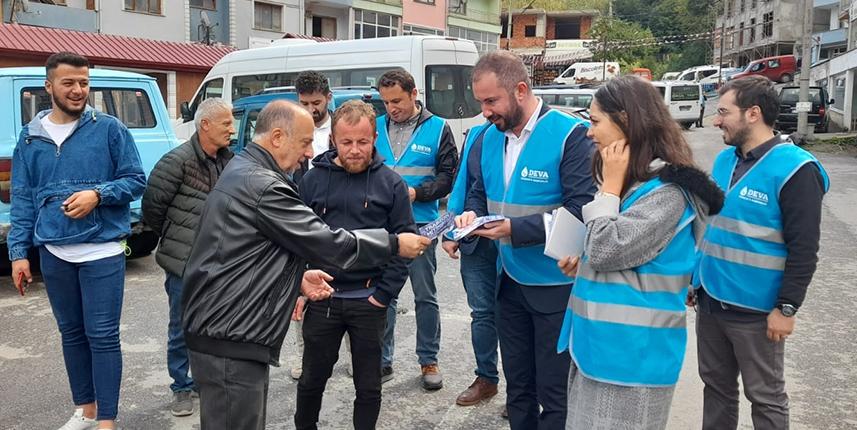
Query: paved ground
821,357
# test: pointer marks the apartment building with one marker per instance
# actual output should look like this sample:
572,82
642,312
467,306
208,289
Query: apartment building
754,29
835,66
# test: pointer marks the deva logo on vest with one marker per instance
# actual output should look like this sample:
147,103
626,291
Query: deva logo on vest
534,188
743,251
628,327
417,162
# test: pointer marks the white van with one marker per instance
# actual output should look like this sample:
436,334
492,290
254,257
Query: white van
570,98
682,99
698,73
441,67
584,73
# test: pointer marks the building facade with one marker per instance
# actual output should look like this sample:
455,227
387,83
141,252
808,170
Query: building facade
754,29
837,70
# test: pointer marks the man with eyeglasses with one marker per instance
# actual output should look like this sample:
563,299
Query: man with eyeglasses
758,257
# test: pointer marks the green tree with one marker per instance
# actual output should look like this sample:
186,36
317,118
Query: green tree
625,42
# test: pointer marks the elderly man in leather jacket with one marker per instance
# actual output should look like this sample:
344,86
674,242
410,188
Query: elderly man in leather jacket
248,262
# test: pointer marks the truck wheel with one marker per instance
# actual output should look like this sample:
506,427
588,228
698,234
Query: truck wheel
786,78
142,243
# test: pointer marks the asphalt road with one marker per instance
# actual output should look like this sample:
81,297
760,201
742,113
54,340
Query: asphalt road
821,357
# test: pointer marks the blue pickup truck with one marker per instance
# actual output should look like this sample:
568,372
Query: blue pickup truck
247,109
133,98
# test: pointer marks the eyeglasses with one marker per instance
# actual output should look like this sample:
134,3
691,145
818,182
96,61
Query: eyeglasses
722,112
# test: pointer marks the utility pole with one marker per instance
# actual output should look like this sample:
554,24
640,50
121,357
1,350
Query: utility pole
606,40
804,105
722,45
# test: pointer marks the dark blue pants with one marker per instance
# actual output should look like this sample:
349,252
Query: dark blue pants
479,275
535,374
86,299
177,360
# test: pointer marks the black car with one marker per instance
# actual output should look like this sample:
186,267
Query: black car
787,118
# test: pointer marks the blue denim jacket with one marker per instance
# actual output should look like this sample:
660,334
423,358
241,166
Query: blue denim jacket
99,154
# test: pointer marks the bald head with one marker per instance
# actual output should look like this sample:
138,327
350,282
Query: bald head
285,130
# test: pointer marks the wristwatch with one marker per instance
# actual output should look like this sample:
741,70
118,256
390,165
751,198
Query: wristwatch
787,310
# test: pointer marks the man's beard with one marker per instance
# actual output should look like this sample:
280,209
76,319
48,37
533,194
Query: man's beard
739,138
356,166
319,116
68,110
510,120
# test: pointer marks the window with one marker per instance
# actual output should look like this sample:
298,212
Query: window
408,29
429,2
753,4
484,41
369,25
741,35
730,38
529,31
268,16
204,4
773,64
247,85
752,30
743,4
131,106
324,27
791,95
504,23
250,125
212,88
449,92
457,6
839,92
567,29
758,67
144,6
237,115
685,93
730,5
768,25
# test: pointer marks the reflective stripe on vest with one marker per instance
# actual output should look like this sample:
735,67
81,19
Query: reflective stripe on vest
628,327
457,197
535,188
417,162
743,251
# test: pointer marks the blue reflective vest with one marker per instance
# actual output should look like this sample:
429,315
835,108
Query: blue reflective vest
743,251
628,327
458,196
417,162
535,188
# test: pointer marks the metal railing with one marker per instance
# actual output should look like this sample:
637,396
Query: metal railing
473,14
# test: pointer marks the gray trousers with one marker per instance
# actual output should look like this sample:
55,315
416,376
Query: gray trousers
727,348
233,394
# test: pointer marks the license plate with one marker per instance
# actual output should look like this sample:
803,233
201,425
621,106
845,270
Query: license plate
684,108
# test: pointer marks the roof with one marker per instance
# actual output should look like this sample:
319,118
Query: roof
104,49
552,13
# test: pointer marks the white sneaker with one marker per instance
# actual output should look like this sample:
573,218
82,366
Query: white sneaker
79,422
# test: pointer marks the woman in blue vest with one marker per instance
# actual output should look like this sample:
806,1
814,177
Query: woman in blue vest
625,322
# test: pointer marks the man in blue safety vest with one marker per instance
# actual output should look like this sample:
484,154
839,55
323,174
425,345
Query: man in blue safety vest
533,159
758,257
418,146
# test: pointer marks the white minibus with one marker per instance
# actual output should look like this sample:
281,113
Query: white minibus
682,99
441,67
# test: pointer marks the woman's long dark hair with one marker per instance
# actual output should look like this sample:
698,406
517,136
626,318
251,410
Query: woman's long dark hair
638,108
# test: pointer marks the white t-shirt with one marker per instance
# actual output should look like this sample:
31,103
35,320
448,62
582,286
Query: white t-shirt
515,144
321,138
78,252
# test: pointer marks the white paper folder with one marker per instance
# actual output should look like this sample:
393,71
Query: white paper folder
564,234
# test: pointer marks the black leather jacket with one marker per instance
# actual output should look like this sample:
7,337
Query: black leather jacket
244,271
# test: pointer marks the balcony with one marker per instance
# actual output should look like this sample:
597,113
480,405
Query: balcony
397,3
832,37
48,15
844,9
464,12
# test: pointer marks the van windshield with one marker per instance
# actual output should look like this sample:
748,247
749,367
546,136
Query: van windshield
449,92
129,105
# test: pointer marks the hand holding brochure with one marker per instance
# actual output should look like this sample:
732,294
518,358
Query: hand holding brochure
434,229
461,233
565,234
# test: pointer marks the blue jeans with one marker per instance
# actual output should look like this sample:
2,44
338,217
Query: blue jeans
479,275
421,272
177,360
86,299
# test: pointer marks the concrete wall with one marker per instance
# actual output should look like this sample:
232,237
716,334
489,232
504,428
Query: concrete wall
424,15
170,25
244,17
787,25
341,14
74,16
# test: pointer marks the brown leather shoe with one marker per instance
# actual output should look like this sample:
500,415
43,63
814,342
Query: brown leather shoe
481,389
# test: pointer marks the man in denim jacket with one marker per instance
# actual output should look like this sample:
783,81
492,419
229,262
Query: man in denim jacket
75,172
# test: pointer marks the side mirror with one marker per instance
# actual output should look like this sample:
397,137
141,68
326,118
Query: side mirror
187,115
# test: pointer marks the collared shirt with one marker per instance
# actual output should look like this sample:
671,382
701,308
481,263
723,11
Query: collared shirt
746,162
515,144
321,138
401,132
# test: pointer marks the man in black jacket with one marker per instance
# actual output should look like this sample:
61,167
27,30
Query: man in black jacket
246,265
351,188
174,197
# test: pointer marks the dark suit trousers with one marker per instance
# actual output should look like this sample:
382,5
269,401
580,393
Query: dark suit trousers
528,325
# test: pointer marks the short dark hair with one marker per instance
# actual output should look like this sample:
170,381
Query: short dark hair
755,91
311,81
507,66
397,77
64,57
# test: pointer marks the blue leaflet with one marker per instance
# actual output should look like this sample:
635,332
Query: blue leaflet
439,226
